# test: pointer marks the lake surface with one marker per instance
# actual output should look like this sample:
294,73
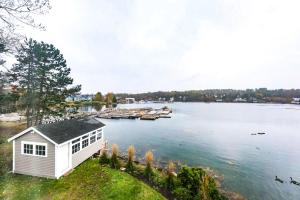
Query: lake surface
218,135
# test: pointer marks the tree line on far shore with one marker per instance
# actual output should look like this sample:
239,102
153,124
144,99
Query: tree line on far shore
259,95
109,98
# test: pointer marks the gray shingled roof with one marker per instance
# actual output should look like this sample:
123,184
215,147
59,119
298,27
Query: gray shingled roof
63,131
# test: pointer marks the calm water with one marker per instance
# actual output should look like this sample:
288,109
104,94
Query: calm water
218,135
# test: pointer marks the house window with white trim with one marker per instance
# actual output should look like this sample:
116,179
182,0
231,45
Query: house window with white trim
40,150
75,148
85,141
92,139
34,148
75,145
28,149
99,134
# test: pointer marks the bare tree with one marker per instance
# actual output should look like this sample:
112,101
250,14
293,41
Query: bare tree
15,14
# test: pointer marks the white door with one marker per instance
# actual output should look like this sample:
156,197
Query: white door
63,158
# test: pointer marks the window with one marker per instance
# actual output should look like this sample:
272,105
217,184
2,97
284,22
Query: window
75,145
75,148
99,135
34,148
28,149
85,143
40,150
92,139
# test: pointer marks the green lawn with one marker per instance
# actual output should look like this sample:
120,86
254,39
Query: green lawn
87,181
7,129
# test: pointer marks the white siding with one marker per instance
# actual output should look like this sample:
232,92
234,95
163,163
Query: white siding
87,152
62,159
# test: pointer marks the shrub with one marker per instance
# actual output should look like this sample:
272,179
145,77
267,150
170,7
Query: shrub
104,157
204,192
148,170
131,153
208,189
200,185
170,175
190,178
114,162
182,193
2,140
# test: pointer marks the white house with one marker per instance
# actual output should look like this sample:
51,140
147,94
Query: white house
296,101
51,150
129,100
241,100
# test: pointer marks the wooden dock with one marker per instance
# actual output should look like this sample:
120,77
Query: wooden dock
135,113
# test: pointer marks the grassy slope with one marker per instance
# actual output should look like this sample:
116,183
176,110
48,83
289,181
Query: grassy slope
88,181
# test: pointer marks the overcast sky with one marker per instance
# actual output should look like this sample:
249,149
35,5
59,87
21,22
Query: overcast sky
140,46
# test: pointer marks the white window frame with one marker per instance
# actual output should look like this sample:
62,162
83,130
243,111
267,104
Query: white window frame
99,132
27,145
89,134
74,145
83,140
94,140
39,150
34,148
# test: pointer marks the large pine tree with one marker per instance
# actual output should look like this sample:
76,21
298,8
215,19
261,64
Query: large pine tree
43,76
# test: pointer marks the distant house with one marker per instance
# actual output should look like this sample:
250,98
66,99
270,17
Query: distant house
51,150
80,97
241,100
6,88
296,101
70,99
129,100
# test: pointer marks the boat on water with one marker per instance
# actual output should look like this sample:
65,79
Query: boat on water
261,133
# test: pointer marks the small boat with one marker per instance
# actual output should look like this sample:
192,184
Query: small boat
261,133
278,179
164,116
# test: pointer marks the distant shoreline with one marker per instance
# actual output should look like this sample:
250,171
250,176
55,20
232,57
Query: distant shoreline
150,102
259,95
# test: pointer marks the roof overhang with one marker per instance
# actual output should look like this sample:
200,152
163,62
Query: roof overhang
31,129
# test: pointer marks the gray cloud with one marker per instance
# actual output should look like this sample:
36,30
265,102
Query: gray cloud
137,46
